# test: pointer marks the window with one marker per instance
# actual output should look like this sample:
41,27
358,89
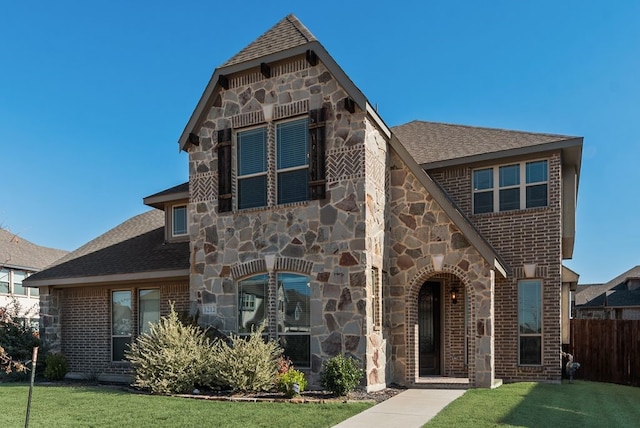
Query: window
292,312
4,281
252,168
179,220
148,309
120,323
530,321
510,187
292,151
252,290
294,320
18,288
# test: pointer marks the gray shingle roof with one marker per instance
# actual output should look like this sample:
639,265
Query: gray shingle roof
593,295
286,34
135,246
430,142
17,252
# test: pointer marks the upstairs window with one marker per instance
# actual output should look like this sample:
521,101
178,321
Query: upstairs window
292,150
179,220
18,288
4,281
252,168
510,187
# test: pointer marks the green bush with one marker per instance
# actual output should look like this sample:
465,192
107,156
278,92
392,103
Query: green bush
55,366
287,380
248,364
341,375
172,357
17,340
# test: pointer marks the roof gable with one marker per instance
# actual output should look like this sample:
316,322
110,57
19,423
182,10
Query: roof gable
286,34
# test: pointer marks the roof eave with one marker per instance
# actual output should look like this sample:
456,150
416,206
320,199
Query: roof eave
105,279
470,232
160,201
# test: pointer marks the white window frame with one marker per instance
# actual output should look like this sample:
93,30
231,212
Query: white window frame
522,185
540,284
173,220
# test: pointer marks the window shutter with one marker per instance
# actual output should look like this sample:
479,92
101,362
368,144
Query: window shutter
224,170
317,179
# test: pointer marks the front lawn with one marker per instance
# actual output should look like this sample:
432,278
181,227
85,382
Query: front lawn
66,406
528,404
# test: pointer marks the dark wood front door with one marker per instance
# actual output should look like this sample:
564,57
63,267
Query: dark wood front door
429,329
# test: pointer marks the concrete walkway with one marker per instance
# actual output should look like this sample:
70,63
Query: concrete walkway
409,409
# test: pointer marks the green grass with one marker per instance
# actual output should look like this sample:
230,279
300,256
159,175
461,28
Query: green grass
527,404
66,406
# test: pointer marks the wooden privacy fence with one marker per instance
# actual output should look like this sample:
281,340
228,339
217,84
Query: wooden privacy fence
607,350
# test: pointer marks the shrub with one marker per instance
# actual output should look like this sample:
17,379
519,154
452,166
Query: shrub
341,375
172,357
17,340
287,379
55,366
248,364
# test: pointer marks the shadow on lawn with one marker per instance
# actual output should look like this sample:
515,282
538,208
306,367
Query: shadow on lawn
551,405
73,386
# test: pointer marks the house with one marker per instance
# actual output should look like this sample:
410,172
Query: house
430,252
20,258
616,299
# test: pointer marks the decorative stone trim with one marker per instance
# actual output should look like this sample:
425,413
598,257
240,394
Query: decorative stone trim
541,272
277,70
248,268
291,109
294,265
247,119
203,187
345,164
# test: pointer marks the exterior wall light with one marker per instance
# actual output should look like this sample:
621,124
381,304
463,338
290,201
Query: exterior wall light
454,295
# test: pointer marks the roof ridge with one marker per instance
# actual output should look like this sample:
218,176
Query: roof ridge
285,34
456,125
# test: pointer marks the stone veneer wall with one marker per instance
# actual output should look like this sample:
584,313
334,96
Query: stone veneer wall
327,240
420,229
87,346
524,236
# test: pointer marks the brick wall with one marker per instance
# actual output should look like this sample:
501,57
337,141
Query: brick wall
87,345
523,236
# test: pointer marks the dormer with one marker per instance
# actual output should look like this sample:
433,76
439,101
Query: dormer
173,202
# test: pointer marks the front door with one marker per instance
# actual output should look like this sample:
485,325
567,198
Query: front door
429,329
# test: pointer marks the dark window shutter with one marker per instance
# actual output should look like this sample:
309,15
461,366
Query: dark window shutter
317,179
224,170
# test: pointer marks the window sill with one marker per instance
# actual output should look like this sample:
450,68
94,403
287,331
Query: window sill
512,212
271,207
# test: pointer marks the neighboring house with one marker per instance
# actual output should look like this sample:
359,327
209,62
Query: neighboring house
428,251
20,258
616,299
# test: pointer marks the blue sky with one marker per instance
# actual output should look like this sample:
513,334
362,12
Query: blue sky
94,95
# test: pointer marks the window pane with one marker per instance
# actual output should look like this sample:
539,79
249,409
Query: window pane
252,192
483,202
254,290
297,348
537,196
292,186
4,281
509,199
18,289
530,306
252,151
119,346
531,350
536,171
149,311
483,179
292,144
509,175
121,313
34,292
180,220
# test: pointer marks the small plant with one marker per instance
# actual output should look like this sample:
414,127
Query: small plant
290,381
55,366
341,375
249,364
